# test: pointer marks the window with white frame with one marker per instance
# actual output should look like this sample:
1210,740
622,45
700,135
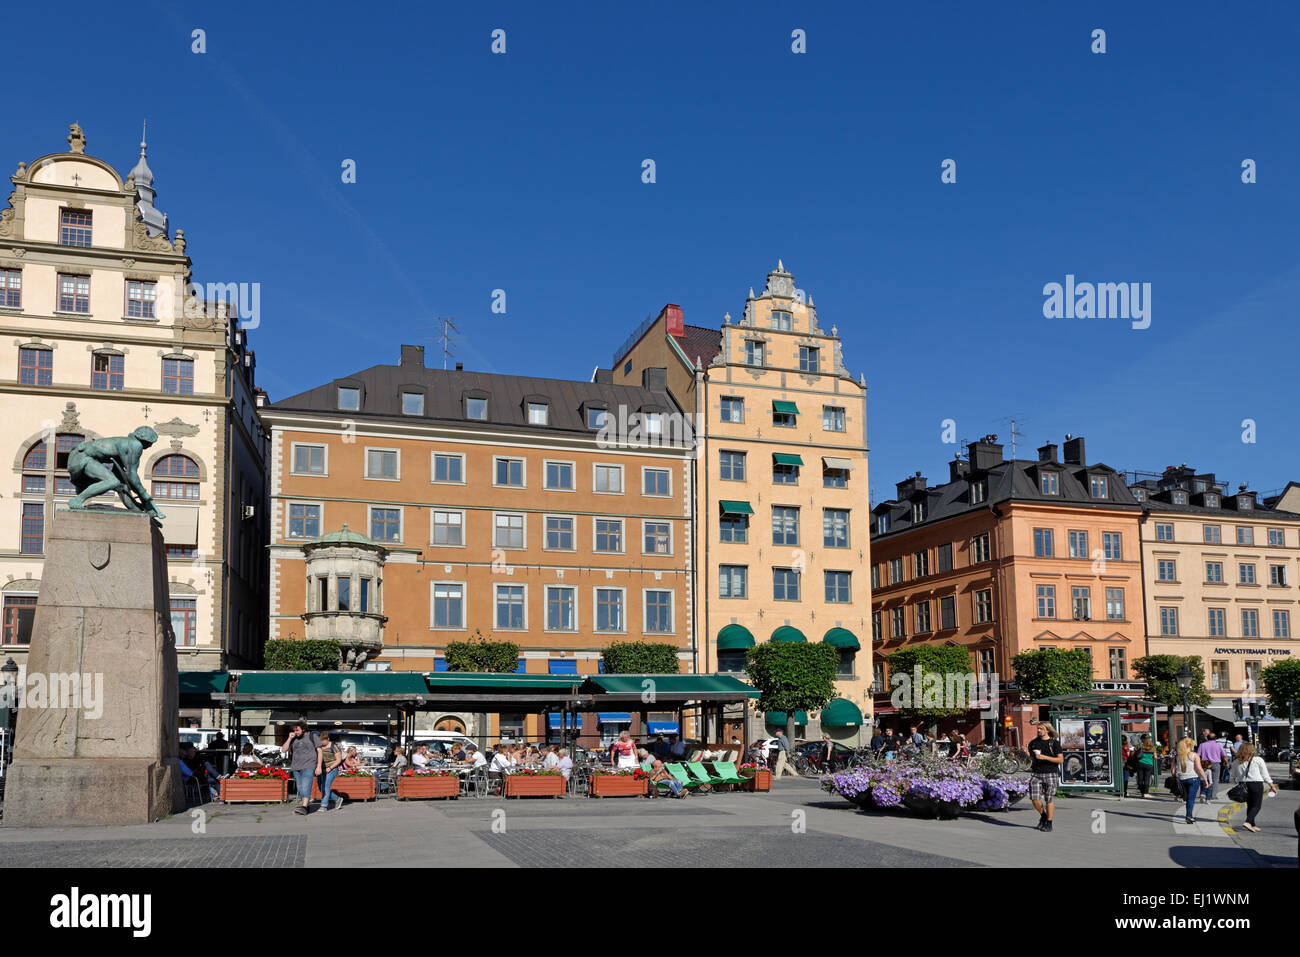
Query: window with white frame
448,527
559,476
508,473
608,479
308,459
511,607
1112,546
412,403
448,467
835,527
658,611
559,532
609,610
608,534
1098,486
538,413
448,604
349,399
984,606
383,464
561,608
1250,623
655,482
508,530
657,538
979,546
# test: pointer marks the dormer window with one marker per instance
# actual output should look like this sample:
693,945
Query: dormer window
978,491
476,407
539,413
882,523
1179,497
74,227
1199,486
1050,483
349,399
1098,486
755,353
782,321
596,417
1140,494
808,358
918,512
412,403
1244,503
1212,500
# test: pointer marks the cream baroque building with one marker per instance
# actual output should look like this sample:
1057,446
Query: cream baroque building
94,342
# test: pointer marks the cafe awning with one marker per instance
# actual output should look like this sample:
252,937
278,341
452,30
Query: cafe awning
197,688
735,508
734,637
833,462
678,687
841,713
332,684
776,719
788,633
787,458
614,717
842,638
784,408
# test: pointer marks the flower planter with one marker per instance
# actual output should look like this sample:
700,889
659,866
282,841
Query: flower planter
254,790
760,780
427,786
534,785
617,785
355,788
931,807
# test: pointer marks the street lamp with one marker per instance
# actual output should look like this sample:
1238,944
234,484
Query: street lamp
1184,679
8,708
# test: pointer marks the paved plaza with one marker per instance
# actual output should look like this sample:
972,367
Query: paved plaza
795,825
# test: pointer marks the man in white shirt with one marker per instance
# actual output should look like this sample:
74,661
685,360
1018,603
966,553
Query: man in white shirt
421,757
500,761
474,757
552,759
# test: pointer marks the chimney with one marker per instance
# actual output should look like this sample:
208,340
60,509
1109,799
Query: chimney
985,454
656,380
413,356
605,376
1047,453
1074,451
958,469
460,367
673,322
909,486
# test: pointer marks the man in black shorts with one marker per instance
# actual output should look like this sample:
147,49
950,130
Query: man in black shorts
1044,773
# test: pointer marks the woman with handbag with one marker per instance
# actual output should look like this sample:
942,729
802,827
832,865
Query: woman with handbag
1143,760
1250,774
1191,775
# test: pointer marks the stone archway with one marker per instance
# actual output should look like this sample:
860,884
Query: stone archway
450,723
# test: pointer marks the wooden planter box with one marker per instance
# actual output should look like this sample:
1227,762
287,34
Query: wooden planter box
358,788
760,780
252,790
427,786
613,785
527,785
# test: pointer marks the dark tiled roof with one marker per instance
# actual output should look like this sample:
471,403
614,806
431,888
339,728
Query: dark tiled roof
1159,498
700,343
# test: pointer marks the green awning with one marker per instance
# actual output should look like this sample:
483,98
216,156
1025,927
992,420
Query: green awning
786,458
679,686
736,508
788,633
842,638
362,684
841,714
776,719
197,687
735,637
785,408
482,681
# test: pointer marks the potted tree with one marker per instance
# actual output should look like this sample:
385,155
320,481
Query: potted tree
792,677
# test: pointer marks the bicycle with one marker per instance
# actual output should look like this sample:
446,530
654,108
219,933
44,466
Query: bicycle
1002,758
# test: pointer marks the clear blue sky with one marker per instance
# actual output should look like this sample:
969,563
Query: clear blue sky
523,172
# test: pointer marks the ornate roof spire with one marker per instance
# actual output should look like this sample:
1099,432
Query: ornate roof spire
142,177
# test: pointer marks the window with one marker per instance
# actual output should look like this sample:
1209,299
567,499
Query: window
1097,486
1252,671
74,227
1168,621
1078,543
609,534
785,584
808,358
1049,483
11,288
412,403
835,478
733,581
1046,601
185,617
732,466
1276,538
733,528
984,606
35,366
987,666
1211,533
922,617
875,577
882,523
382,464
561,610
509,530
1115,604
1212,501
785,474
1164,532
386,524
509,472
596,418
538,413
141,298
559,532
33,528
877,632
1249,623
833,418
448,605
1043,542
1112,545
1081,602
1277,574
178,376
918,512
609,479
476,407
1245,535
658,611
345,594
167,473
1219,675
1214,572
74,294
782,320
655,482
1281,623
349,399
783,420
448,527
609,609
978,492
19,615
755,353
1166,570
980,548
308,459
448,467
106,371
1218,621
510,607
1246,574
944,553
835,528
657,538
895,571
304,521
181,551
898,623
947,613
733,409
837,587
653,425
785,525
1180,498
1118,664
920,564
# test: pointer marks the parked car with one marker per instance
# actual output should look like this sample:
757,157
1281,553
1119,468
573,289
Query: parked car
440,742
372,748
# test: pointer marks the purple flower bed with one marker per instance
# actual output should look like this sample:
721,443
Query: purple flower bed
1001,793
942,789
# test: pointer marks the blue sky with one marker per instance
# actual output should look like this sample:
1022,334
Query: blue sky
523,172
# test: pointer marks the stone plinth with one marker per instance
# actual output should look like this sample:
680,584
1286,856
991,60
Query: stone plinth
99,746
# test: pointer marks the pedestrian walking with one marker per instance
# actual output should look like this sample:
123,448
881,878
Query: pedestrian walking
1191,774
1211,754
303,750
1045,773
1251,773
1142,762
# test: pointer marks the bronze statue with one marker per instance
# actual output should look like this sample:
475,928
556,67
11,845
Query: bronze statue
109,465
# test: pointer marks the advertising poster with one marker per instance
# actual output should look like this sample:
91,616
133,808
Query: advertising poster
1072,735
1085,745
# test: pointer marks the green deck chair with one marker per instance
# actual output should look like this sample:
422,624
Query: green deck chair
701,775
726,770
686,781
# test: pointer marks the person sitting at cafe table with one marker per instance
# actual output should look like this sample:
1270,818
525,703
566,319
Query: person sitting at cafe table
659,775
501,760
421,757
473,757
660,747
552,756
351,760
457,753
248,759
564,763
400,763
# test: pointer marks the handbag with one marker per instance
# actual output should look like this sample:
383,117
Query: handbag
1174,785
1239,792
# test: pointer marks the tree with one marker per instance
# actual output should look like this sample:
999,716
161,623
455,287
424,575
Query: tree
793,676
931,681
481,654
1281,682
640,658
311,654
1047,672
1160,672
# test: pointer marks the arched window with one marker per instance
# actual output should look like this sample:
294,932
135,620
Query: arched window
170,475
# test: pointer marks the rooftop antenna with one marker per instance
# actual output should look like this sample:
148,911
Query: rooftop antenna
1015,433
447,337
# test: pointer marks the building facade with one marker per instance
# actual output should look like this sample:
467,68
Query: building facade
412,507
100,333
781,477
1006,556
